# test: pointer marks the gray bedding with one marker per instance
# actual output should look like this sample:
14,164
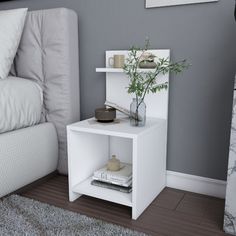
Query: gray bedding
48,54
20,104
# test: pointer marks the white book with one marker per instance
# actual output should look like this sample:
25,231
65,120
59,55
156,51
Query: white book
124,175
127,184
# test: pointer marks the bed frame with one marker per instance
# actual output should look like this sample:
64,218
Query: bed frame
48,55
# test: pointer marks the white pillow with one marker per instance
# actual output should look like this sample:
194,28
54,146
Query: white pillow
11,27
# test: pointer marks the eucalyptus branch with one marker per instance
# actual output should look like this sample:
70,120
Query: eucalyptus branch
142,83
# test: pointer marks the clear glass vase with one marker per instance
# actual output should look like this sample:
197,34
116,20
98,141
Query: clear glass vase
137,112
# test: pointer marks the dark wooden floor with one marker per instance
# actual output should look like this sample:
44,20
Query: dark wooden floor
173,213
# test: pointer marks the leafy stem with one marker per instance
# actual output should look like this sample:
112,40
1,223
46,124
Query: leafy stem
142,83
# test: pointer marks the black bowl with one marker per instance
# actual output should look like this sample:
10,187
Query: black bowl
105,114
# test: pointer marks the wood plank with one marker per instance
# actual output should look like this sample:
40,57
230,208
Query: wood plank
173,213
169,199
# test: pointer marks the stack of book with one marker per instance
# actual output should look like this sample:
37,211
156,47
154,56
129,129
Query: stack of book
120,180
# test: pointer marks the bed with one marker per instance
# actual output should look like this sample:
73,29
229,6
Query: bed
48,56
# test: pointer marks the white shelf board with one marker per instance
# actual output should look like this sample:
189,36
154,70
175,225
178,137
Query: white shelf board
103,193
164,3
112,70
121,129
117,70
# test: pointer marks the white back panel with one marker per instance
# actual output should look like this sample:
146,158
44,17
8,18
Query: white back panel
117,83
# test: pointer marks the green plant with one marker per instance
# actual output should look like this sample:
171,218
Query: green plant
144,82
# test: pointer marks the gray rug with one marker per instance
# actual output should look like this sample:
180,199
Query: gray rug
23,216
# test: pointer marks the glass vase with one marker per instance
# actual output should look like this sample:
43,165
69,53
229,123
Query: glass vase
137,112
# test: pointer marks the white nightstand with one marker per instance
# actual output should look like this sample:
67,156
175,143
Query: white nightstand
90,145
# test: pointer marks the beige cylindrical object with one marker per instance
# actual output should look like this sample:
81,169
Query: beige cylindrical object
113,164
117,61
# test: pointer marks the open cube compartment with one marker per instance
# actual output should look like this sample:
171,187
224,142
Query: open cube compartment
91,145
92,152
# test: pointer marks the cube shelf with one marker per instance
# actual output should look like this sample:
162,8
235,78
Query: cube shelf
90,144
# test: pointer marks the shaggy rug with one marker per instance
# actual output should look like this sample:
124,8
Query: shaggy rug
23,216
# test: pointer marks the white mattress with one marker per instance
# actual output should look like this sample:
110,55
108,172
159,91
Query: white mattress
27,155
20,104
